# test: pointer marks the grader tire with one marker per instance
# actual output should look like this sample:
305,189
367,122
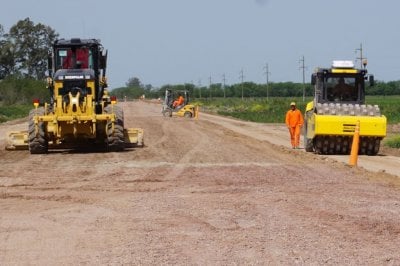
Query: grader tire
115,139
38,143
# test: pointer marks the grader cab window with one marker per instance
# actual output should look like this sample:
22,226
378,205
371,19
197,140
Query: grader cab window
74,58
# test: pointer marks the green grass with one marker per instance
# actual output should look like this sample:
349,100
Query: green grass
274,110
14,112
389,105
254,109
393,142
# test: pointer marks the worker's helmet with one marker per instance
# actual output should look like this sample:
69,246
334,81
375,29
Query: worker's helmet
292,104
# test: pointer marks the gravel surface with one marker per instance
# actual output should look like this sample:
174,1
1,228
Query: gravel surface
212,191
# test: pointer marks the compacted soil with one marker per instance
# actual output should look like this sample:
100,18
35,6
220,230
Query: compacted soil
206,191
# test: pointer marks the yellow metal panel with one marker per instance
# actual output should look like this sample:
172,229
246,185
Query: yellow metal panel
46,118
57,85
310,106
65,118
90,84
344,125
134,137
17,140
105,117
344,70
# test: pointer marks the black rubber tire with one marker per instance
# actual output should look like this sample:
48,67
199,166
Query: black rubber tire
38,143
115,139
309,145
167,113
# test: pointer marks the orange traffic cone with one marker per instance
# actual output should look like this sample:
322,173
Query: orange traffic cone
355,145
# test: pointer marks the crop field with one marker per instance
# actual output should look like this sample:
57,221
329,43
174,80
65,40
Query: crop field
273,110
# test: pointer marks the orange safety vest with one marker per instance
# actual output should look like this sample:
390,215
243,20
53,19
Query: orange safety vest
294,118
180,100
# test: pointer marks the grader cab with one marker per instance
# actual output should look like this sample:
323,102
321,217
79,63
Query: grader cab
80,112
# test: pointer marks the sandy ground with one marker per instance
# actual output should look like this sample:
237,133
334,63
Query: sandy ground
212,191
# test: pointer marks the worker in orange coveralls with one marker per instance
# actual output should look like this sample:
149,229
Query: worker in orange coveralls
178,102
294,122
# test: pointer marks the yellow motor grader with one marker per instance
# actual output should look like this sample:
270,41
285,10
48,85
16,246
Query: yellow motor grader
338,105
80,113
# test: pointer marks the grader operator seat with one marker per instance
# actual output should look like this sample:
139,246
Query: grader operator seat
74,58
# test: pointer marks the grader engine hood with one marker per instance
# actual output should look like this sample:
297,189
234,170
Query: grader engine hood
74,74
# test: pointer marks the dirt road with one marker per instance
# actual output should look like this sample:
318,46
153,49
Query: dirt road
208,191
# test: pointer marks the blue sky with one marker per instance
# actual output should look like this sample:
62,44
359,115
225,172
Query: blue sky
183,41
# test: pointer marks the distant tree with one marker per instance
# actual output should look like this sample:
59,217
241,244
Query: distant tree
134,82
30,43
19,90
7,59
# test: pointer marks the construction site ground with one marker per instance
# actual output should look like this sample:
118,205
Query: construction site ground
206,191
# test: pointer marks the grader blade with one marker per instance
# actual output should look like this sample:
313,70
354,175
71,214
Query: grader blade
134,137
17,140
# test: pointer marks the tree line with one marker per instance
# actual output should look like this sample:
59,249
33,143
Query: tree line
23,61
24,49
134,90
23,64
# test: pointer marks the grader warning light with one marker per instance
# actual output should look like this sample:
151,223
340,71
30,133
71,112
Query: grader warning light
113,99
36,102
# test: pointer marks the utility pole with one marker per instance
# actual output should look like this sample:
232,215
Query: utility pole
303,67
266,68
210,86
363,60
200,87
223,83
242,78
